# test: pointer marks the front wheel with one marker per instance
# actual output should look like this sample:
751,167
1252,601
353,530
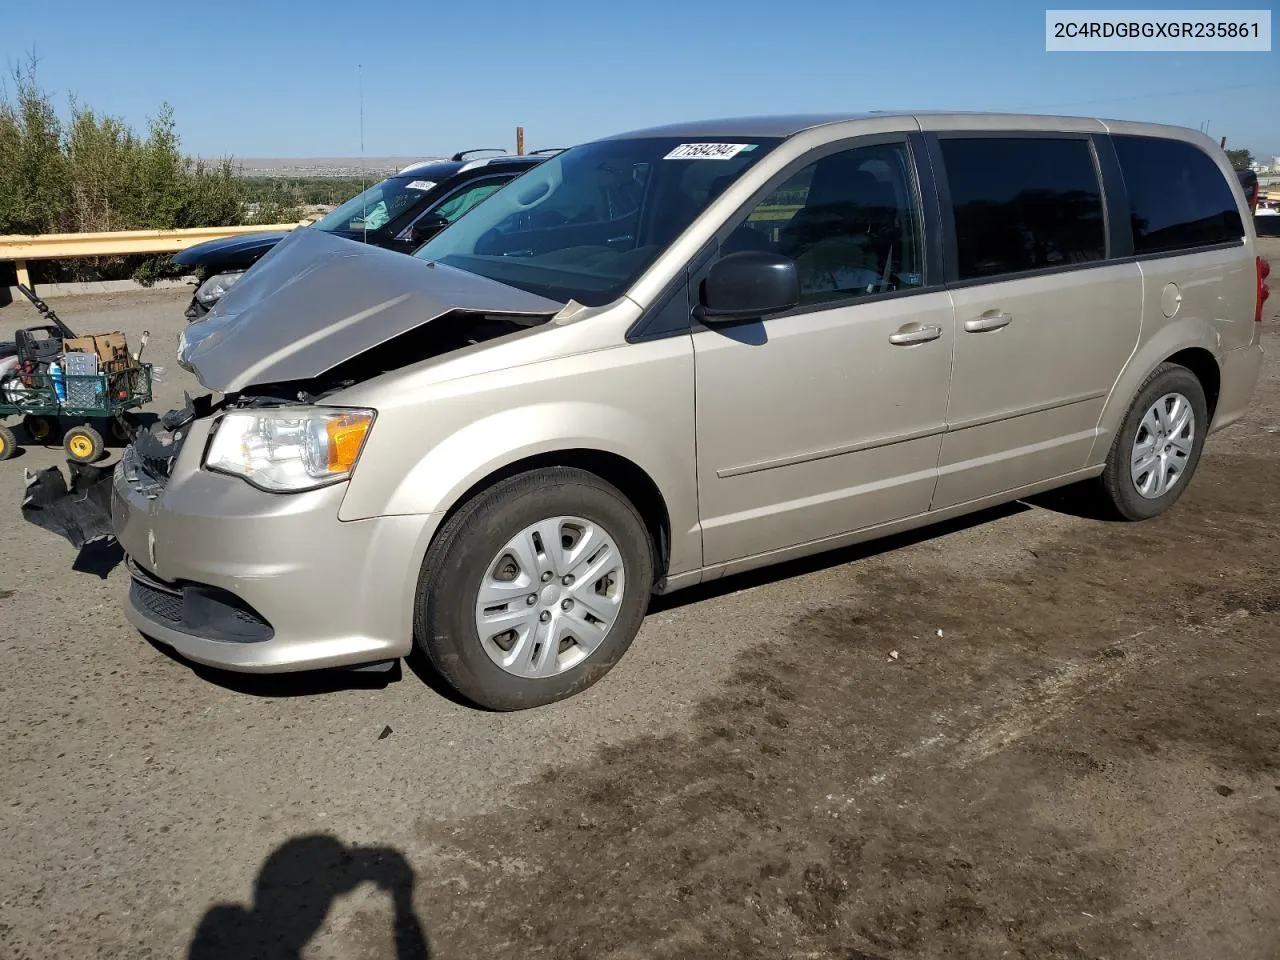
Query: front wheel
83,444
1158,446
535,589
8,443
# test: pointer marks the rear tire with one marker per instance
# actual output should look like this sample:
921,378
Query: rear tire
8,443
119,431
1130,488
39,428
473,555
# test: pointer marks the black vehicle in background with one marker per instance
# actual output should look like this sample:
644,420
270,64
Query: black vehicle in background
399,213
1266,218
1249,181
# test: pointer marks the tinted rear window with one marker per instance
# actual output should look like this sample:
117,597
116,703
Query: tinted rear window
1178,198
1023,204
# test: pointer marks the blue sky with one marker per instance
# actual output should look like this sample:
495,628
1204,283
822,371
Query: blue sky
272,78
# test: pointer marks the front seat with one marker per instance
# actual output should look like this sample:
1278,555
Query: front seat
838,239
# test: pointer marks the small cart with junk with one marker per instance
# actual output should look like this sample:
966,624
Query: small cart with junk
79,386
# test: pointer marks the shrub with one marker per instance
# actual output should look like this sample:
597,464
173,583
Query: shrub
95,173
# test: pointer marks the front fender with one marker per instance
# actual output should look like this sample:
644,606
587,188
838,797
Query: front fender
635,402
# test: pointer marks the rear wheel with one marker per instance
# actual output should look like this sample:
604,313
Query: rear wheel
119,428
40,429
1158,446
8,443
83,444
535,589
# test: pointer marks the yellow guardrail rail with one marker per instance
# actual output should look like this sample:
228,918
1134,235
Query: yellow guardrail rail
59,246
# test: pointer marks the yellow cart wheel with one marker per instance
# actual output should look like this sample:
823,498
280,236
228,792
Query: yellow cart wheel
8,445
83,444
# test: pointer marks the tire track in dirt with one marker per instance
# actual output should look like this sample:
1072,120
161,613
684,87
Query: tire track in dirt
833,802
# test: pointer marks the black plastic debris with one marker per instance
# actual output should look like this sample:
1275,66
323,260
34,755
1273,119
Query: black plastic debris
99,557
80,512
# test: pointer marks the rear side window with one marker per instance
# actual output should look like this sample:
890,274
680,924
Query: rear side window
1178,198
1023,204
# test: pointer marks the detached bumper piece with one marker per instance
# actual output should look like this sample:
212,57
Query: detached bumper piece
196,609
79,512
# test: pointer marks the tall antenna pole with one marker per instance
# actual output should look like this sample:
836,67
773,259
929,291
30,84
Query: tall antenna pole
364,180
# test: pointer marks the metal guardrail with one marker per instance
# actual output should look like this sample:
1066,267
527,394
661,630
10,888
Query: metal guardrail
59,246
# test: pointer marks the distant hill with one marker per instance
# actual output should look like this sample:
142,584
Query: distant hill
376,167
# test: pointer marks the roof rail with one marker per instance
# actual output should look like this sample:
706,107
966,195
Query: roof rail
462,154
538,153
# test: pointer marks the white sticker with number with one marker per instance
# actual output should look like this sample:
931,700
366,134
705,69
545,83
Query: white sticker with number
420,185
707,151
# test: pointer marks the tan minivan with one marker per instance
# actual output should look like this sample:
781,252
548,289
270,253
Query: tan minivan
664,357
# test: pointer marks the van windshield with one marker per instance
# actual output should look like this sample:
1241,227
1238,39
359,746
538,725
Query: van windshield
586,223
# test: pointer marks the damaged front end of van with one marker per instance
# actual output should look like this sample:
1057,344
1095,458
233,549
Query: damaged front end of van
227,509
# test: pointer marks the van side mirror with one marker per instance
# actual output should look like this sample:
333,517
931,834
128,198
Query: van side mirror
748,285
424,228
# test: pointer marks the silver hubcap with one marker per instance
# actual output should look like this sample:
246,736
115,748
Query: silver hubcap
1162,448
550,597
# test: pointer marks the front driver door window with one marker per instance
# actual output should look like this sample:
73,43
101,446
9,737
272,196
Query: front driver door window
850,222
827,419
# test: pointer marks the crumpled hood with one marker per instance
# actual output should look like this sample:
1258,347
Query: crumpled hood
317,300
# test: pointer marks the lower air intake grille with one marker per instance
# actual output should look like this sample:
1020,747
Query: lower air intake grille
156,604
199,610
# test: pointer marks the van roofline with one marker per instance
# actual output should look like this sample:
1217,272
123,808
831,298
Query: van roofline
784,126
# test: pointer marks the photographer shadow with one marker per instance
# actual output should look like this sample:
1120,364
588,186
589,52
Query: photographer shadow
292,896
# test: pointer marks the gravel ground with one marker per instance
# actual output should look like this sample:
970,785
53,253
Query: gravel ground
1075,753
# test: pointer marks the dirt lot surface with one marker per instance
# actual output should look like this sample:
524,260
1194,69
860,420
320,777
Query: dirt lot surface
1075,753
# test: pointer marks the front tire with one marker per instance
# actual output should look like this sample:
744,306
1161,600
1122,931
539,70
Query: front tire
535,589
1158,446
83,444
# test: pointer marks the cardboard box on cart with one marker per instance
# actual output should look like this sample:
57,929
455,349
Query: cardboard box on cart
108,346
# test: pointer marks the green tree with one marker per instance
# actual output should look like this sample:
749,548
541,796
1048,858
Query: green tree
95,173
33,171
1240,159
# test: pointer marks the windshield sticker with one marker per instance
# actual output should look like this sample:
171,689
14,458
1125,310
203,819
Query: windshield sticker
420,185
708,151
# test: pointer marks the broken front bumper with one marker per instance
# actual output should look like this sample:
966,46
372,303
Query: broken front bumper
234,577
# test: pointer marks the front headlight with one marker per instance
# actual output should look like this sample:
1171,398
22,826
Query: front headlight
216,286
288,449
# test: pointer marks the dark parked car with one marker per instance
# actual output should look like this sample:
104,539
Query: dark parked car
1266,218
1249,181
399,213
